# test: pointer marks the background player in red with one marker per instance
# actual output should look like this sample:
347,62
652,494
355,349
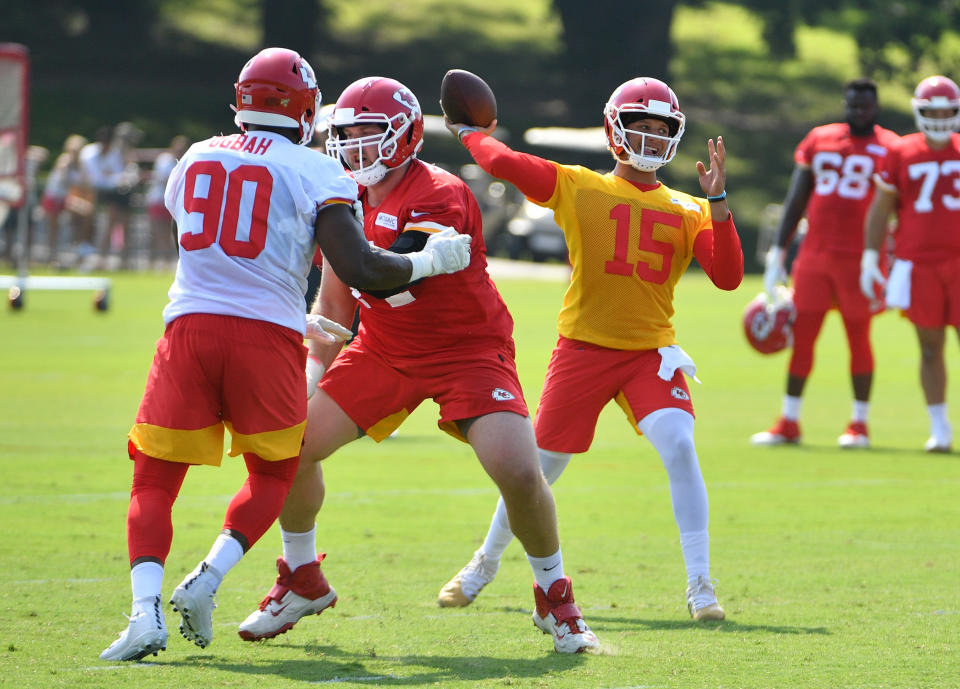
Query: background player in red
249,210
630,239
832,183
920,181
464,361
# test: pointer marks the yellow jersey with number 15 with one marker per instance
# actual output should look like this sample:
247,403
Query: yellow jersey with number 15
628,247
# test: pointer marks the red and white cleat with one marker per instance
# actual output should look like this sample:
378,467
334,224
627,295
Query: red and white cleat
296,594
784,432
557,616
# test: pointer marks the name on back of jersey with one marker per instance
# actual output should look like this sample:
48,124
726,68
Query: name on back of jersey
257,145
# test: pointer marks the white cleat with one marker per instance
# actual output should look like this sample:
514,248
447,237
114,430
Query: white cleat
463,589
146,634
702,601
193,599
938,445
304,591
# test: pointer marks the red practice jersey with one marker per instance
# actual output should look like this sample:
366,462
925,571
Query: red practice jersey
927,182
843,166
444,315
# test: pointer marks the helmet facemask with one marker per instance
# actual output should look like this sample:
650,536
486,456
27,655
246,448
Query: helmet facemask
386,143
640,160
937,129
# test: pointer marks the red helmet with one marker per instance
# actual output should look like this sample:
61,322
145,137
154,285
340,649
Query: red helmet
277,88
380,101
769,325
650,98
935,93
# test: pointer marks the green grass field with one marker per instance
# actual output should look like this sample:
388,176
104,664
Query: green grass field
837,569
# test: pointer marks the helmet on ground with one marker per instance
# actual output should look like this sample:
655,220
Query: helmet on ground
383,102
936,93
640,98
768,324
277,88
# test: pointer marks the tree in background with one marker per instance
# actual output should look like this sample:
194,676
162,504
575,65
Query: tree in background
894,37
296,24
604,47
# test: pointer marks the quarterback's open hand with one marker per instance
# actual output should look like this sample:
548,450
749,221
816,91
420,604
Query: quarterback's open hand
325,330
449,251
713,181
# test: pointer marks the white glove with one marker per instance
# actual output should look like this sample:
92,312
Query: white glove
325,330
315,371
774,273
870,273
445,252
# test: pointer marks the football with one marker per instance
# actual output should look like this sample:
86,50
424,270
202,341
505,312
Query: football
466,98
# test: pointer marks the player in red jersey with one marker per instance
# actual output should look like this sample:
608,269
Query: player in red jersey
832,183
249,210
464,361
920,181
630,239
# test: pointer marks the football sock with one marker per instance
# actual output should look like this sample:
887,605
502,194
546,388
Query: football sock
696,553
939,423
499,534
547,570
299,548
225,553
860,411
791,407
146,582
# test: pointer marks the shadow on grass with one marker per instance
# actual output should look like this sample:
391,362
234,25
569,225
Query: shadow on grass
601,624
332,664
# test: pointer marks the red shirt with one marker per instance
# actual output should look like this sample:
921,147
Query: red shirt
928,208
442,316
843,166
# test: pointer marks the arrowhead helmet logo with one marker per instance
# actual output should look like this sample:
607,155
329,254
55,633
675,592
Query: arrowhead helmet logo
501,395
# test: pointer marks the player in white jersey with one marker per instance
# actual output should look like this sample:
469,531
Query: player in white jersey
250,210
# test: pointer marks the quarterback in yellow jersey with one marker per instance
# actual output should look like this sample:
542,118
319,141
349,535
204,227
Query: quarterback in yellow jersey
630,238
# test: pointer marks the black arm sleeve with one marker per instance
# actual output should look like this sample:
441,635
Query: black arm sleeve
406,243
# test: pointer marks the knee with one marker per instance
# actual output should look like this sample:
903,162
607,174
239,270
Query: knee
523,478
679,449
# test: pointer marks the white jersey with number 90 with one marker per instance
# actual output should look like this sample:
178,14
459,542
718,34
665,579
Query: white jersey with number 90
245,206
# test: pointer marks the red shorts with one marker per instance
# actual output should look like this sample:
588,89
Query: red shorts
212,372
935,294
823,280
583,377
378,394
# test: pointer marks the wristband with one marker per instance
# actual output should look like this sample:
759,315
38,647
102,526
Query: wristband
421,264
719,197
464,131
